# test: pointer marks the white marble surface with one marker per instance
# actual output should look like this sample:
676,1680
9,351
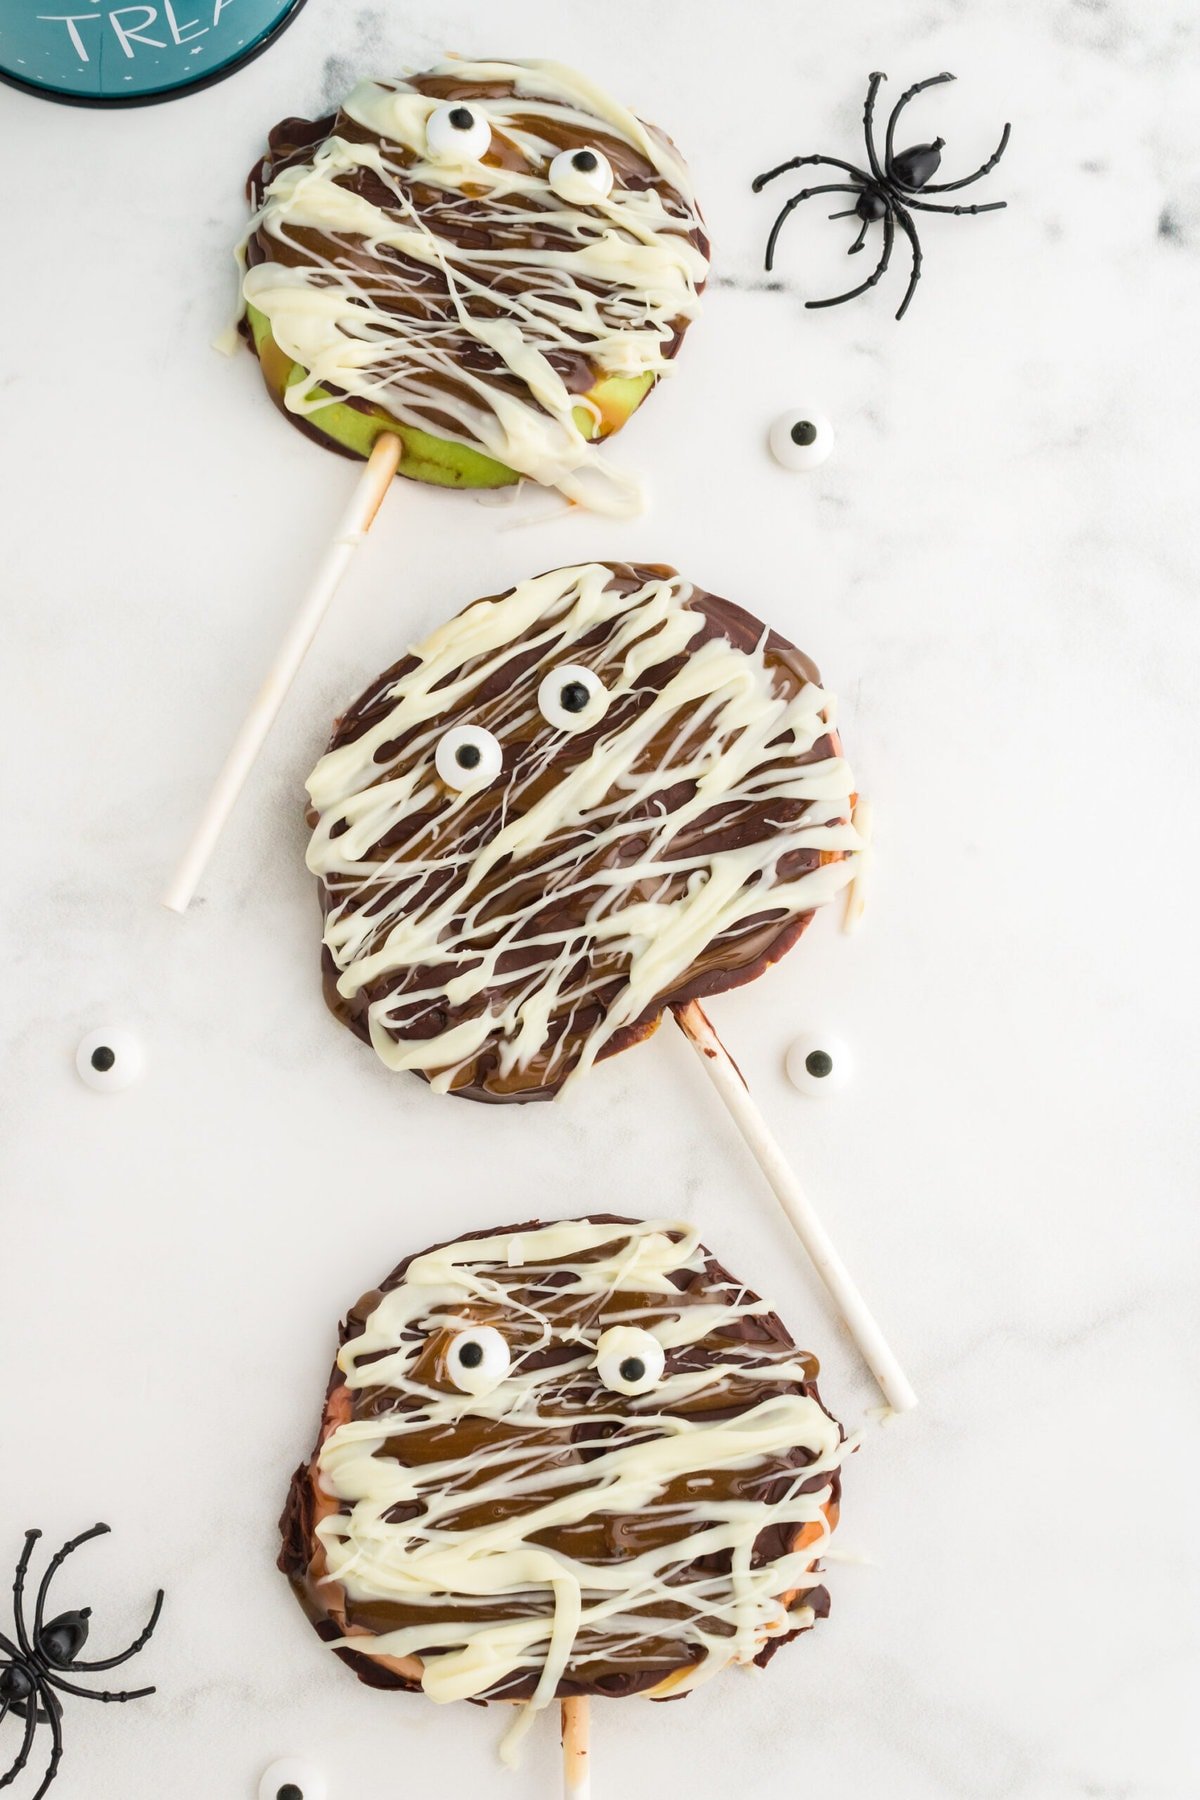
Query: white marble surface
998,572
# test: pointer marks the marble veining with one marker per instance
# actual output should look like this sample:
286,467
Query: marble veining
997,571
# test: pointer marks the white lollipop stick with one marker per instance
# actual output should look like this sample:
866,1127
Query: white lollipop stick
352,528
727,1078
577,1775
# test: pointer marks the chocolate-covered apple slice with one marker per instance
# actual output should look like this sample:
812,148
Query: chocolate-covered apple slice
468,277
494,260
560,1461
599,795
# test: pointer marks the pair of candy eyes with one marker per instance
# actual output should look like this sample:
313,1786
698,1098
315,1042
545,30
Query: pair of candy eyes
457,133
628,1361
570,698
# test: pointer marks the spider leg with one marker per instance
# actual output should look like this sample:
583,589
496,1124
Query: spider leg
860,240
889,235
946,187
111,1662
800,162
923,206
910,231
26,1747
56,1562
869,124
54,1718
831,187
68,1687
911,93
31,1538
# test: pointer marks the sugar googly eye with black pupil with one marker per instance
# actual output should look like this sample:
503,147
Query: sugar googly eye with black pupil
629,1360
572,698
801,439
467,756
477,1360
110,1059
819,1064
457,133
582,176
292,1779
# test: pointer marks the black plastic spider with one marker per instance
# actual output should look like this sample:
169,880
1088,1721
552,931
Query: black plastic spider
37,1663
888,192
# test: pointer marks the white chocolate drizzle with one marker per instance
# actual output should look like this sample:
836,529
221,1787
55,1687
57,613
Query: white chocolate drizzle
387,318
698,1468
584,884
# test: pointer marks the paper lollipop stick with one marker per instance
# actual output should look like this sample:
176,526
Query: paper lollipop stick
577,1775
352,528
730,1083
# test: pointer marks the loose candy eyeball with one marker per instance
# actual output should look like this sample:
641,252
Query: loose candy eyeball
629,1360
457,133
292,1779
467,756
800,439
819,1064
478,1360
581,177
110,1059
572,698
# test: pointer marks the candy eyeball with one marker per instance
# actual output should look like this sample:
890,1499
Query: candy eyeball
572,698
478,1360
109,1060
800,439
467,756
819,1064
292,1779
457,133
629,1360
581,177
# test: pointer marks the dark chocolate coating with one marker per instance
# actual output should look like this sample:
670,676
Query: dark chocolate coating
614,1672
413,288
728,960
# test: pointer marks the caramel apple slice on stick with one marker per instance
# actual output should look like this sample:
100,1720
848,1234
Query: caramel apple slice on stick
560,1463
469,277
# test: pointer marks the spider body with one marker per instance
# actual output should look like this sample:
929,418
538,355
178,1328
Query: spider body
33,1669
871,205
887,192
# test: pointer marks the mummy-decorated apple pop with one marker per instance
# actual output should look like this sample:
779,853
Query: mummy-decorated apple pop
469,276
494,261
595,798
600,1517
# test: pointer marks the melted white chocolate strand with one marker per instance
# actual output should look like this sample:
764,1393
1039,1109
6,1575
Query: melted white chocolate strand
586,884
609,277
704,1465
